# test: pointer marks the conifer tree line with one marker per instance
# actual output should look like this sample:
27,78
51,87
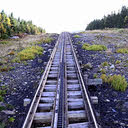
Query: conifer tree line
113,20
10,26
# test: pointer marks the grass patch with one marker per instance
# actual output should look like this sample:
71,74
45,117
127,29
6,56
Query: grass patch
122,50
4,42
6,68
28,53
105,64
118,82
94,47
95,76
11,119
11,53
76,36
47,40
118,62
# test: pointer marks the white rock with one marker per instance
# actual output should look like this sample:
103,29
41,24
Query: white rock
8,112
112,66
27,101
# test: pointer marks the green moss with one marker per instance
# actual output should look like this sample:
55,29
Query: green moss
94,47
122,50
77,36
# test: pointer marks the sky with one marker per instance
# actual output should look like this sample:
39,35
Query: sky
56,16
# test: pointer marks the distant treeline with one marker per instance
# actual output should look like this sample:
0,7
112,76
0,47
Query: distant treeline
10,26
119,20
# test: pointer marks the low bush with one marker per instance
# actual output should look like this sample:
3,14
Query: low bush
6,68
4,42
118,61
47,40
11,119
76,36
12,53
122,50
105,64
95,76
104,78
94,47
118,82
103,71
30,53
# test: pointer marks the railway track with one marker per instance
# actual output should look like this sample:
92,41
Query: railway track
61,100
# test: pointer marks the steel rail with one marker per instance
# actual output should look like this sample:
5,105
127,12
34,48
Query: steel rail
84,89
29,118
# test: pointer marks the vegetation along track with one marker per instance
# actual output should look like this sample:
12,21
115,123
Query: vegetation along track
61,100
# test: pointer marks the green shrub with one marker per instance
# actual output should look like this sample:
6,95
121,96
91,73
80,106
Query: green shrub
104,78
30,53
4,42
1,98
11,119
5,68
118,82
76,36
118,61
95,75
94,47
103,71
3,92
122,50
105,64
16,60
12,53
47,40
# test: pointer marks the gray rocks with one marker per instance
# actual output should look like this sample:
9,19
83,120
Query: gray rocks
87,66
8,112
125,105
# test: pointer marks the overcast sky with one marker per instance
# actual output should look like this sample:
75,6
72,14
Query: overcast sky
61,15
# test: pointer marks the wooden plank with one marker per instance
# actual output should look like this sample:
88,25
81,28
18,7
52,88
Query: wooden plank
47,99
51,82
48,94
43,117
75,105
74,94
76,116
50,89
76,100
73,88
45,106
72,81
79,125
94,82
